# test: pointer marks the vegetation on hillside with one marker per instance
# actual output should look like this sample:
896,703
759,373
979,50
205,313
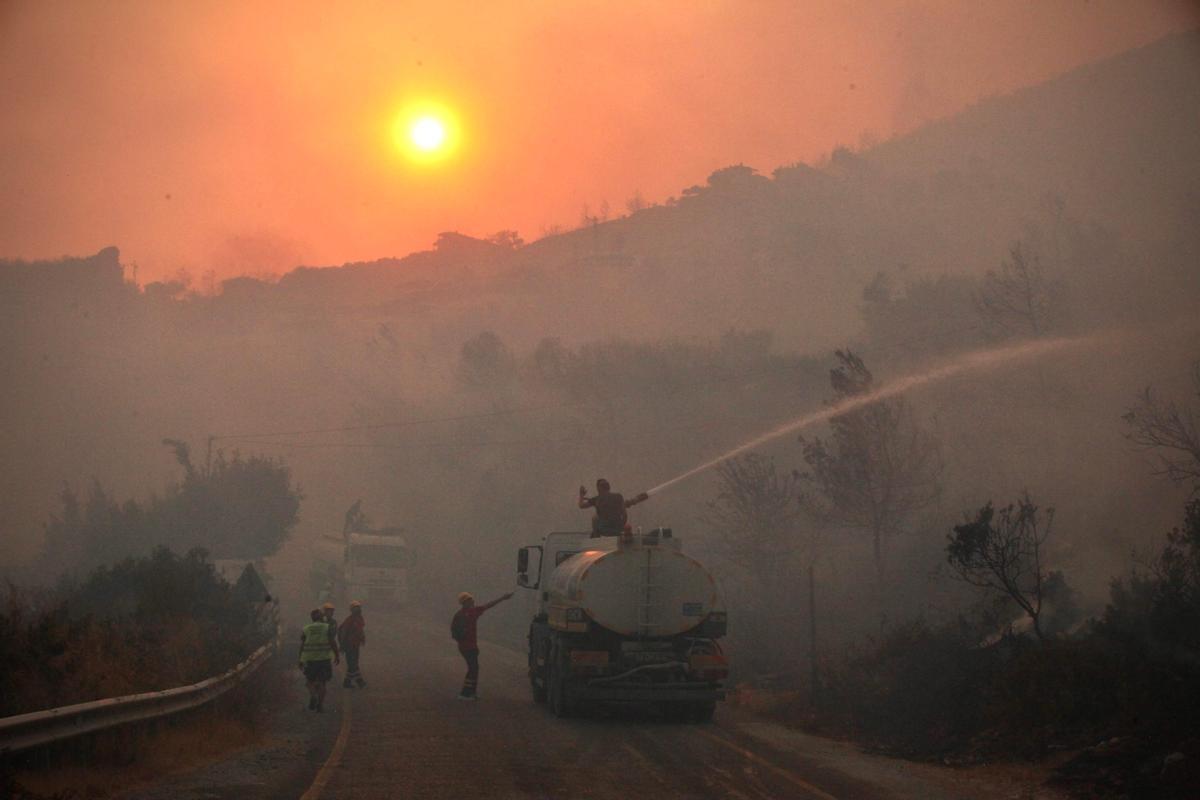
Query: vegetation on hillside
144,623
235,507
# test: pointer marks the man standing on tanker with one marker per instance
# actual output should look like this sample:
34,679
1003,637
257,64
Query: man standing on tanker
611,517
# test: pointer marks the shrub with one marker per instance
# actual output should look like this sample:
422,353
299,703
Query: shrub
917,690
140,625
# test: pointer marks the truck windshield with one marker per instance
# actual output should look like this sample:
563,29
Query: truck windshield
379,555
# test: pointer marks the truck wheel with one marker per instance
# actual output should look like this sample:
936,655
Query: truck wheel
559,706
539,677
539,690
554,691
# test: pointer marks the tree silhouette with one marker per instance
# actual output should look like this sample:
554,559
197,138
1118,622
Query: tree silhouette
756,516
1003,554
486,362
879,466
1170,431
1021,297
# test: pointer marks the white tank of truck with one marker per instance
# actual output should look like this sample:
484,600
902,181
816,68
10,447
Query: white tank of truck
629,619
634,587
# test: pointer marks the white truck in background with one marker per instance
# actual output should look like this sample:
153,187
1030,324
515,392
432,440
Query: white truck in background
627,619
376,566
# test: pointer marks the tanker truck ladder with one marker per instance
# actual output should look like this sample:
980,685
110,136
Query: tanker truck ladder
646,609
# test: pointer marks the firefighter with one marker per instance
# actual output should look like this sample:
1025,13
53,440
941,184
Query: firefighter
352,636
462,629
610,518
318,645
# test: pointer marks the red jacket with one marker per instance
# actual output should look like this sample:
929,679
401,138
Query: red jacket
351,633
470,617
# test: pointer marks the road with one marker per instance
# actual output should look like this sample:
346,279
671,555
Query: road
407,736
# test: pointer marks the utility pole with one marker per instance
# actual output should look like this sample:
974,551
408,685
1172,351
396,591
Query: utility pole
814,675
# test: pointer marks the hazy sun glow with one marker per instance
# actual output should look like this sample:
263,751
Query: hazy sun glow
426,132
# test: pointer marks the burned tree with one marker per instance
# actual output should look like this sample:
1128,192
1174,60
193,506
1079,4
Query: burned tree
760,528
1170,431
755,514
1002,553
1020,298
878,469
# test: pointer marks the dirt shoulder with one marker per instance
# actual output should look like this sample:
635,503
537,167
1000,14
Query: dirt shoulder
902,778
290,746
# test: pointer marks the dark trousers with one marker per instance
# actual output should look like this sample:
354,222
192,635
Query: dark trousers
471,682
352,673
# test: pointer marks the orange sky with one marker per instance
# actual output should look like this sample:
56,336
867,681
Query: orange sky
249,137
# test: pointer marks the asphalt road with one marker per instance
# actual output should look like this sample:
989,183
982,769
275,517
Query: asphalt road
407,736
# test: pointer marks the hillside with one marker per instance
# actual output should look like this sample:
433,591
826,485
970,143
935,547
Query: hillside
1111,146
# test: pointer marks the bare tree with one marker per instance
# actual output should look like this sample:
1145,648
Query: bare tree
1170,431
1003,554
879,468
761,531
1020,298
755,515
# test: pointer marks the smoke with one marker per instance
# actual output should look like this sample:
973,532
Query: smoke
978,361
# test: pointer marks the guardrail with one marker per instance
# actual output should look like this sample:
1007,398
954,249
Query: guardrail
37,728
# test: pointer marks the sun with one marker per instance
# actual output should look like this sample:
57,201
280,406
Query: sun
426,132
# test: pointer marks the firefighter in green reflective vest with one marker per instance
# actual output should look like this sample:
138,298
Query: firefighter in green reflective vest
318,647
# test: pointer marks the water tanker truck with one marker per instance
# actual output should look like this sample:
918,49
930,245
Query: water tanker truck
628,619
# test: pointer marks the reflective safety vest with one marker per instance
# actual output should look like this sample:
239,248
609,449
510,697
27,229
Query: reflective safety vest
317,645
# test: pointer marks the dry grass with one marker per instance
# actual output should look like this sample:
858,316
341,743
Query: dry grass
118,761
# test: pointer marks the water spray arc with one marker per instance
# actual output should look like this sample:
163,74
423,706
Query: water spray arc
972,362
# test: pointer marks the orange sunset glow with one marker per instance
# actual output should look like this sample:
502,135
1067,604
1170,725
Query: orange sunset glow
296,124
806,389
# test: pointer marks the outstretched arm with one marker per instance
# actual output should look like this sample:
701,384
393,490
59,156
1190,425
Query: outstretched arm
496,602
639,499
